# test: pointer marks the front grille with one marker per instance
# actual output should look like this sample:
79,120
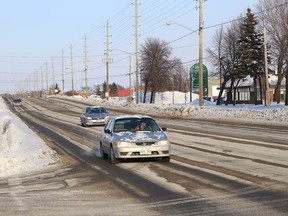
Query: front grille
94,118
144,143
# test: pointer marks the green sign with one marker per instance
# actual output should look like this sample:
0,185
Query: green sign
194,79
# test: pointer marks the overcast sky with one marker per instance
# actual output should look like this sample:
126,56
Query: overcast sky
33,31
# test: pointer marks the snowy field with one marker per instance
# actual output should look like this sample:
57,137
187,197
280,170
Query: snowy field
22,151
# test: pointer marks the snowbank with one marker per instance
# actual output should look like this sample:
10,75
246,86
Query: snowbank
241,113
21,150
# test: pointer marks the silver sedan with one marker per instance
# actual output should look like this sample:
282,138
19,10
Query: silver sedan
134,136
94,115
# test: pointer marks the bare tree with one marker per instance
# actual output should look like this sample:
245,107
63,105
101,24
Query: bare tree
223,54
156,66
179,76
274,17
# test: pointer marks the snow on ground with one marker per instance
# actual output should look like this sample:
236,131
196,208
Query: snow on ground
21,150
245,113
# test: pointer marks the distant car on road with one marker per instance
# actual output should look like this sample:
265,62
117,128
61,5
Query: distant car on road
134,136
17,102
94,115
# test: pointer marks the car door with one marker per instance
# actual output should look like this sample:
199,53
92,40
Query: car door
83,115
107,137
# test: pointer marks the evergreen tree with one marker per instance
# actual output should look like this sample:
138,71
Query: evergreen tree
113,90
103,89
250,58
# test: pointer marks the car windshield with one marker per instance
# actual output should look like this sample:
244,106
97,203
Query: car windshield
135,124
96,110
17,100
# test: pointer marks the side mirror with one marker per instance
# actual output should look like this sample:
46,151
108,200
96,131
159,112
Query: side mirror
107,131
164,129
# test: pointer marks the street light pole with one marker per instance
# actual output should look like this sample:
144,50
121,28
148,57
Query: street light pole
201,99
201,102
136,53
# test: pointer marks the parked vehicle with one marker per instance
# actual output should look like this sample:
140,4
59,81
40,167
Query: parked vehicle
17,102
134,136
94,115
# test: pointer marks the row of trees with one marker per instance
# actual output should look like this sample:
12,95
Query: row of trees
238,51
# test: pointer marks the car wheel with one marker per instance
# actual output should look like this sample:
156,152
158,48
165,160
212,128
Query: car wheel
113,159
166,159
81,123
85,125
102,153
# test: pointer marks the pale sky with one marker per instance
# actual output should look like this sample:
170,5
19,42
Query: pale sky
34,31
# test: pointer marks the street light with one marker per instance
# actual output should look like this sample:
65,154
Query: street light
201,102
173,23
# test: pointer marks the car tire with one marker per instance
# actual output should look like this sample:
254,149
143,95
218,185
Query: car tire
103,155
166,159
81,123
113,159
85,125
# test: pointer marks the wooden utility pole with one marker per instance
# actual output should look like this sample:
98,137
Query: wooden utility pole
63,72
137,52
53,77
130,73
266,70
107,61
72,75
34,84
47,88
85,64
201,102
42,87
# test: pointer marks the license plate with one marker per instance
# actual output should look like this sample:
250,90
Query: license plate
145,151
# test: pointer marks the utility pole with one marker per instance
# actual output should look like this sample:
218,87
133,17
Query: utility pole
130,71
201,102
266,70
85,63
47,88
36,83
137,52
42,86
71,59
53,77
63,72
107,61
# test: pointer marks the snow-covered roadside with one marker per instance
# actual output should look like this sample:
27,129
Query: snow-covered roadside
21,150
244,113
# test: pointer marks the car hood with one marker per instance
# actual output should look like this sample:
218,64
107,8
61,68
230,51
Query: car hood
140,136
97,115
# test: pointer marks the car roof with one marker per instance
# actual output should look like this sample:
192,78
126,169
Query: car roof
131,116
94,107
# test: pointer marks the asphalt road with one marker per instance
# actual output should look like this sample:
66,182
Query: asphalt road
215,169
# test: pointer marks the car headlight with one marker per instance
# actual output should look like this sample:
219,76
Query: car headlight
106,117
123,143
163,142
89,118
